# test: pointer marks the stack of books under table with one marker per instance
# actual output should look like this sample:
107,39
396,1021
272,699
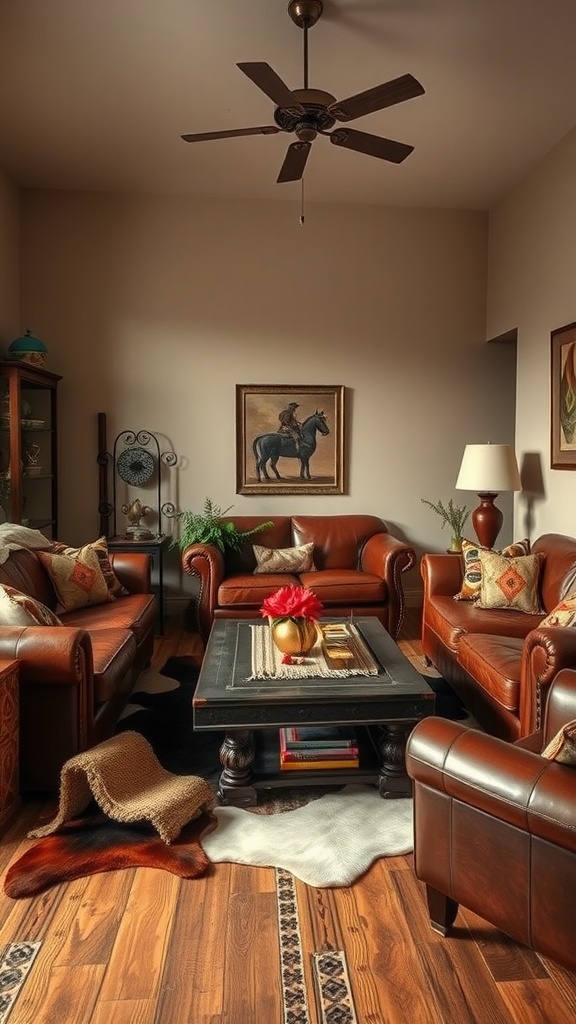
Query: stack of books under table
310,748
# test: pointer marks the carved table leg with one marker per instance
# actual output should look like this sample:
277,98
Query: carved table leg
393,781
236,758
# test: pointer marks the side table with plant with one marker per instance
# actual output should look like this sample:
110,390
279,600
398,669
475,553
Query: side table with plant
453,515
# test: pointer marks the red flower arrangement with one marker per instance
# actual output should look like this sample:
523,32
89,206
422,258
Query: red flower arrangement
292,602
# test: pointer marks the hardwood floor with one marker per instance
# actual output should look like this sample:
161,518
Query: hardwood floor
144,947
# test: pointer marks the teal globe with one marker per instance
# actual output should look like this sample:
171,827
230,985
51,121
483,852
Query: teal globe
28,349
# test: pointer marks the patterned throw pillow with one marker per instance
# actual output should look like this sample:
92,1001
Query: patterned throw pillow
562,747
284,559
100,546
78,582
18,609
510,582
470,589
564,614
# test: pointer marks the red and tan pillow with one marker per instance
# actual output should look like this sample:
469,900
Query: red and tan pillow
18,609
276,560
564,614
78,582
100,546
470,589
562,747
510,582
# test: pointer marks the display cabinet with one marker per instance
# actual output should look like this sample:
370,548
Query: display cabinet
28,446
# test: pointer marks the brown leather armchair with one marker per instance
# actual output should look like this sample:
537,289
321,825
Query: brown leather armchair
495,827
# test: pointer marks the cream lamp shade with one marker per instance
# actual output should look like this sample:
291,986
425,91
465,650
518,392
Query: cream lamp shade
488,469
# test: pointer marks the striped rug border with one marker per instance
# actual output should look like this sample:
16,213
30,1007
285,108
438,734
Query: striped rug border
16,961
333,992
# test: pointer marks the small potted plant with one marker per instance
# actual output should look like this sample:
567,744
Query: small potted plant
211,527
453,515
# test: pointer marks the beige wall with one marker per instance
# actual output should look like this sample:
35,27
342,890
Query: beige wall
532,275
154,309
10,326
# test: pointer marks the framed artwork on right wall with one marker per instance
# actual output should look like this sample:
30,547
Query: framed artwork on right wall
563,398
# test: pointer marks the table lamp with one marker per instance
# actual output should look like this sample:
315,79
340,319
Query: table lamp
488,469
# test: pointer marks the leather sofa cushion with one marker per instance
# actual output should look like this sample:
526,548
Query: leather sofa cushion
23,571
451,619
114,653
345,586
136,612
495,663
248,591
338,540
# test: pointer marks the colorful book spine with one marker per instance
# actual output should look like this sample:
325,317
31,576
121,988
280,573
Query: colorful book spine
322,758
310,738
290,766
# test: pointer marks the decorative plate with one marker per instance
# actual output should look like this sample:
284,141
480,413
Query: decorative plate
135,466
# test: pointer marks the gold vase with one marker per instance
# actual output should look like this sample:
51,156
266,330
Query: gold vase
294,636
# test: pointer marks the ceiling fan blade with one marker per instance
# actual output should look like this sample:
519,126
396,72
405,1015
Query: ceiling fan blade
268,129
387,95
372,145
269,82
294,162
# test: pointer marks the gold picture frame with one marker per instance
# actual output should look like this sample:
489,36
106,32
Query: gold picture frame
274,454
563,398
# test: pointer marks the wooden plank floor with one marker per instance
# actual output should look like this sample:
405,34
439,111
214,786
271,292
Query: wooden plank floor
144,947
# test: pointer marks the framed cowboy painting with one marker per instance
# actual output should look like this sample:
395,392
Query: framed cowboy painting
289,439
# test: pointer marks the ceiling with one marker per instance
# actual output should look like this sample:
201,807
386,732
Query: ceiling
95,94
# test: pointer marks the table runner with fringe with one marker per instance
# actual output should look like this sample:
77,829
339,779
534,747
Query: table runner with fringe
267,659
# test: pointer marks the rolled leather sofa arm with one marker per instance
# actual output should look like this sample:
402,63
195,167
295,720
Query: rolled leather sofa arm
495,777
133,569
50,654
206,562
544,654
385,556
442,574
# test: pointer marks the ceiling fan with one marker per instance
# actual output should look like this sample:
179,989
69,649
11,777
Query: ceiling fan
308,113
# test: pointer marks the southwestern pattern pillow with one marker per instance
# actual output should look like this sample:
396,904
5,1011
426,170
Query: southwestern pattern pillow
562,747
510,582
100,546
284,559
78,582
564,614
18,609
470,589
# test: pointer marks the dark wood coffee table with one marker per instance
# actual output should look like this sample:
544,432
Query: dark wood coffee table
385,708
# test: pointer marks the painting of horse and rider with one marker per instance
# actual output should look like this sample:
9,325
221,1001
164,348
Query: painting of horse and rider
289,439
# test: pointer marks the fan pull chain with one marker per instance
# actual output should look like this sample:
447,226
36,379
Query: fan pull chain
302,202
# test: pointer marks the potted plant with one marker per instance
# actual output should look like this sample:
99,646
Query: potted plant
453,515
211,527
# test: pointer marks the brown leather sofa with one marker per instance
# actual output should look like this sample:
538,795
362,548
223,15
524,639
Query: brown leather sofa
498,661
495,827
76,678
358,568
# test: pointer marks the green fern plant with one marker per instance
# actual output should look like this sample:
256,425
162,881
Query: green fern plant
210,527
453,515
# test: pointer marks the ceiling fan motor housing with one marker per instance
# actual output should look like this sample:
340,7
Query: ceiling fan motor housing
315,119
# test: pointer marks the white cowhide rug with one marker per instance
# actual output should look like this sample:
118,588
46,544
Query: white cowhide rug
328,842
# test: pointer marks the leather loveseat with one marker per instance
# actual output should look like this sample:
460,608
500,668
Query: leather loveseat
495,827
499,661
358,567
75,678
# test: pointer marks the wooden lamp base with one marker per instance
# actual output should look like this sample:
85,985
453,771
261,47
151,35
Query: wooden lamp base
487,519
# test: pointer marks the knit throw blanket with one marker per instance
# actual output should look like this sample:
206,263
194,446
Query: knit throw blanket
129,784
267,659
